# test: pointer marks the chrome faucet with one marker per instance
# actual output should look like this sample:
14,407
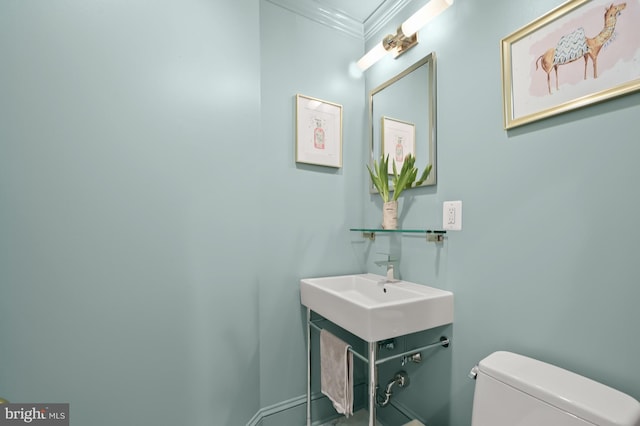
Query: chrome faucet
390,271
390,277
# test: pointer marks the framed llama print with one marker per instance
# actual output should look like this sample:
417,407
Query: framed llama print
582,52
318,132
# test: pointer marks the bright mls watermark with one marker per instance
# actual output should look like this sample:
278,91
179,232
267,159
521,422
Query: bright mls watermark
34,414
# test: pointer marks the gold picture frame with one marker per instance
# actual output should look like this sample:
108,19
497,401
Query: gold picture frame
318,132
548,66
398,141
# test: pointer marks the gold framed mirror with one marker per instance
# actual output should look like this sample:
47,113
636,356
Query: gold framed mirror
402,118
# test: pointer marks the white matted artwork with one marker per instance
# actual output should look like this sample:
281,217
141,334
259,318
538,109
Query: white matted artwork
318,132
580,53
398,141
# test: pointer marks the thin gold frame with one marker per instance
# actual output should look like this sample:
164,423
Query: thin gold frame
563,11
431,85
387,124
308,111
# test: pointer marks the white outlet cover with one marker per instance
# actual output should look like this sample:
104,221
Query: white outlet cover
452,215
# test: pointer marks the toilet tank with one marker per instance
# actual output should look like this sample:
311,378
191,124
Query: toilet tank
513,390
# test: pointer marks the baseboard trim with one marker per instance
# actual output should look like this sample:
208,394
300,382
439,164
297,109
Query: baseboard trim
317,398
271,410
406,411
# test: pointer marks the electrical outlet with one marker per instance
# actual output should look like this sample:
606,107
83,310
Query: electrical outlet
452,215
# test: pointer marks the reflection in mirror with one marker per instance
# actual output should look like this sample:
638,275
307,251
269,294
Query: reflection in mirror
402,118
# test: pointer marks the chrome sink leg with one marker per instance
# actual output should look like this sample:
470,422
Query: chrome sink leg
308,367
372,383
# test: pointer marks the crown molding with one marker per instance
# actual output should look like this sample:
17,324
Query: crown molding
338,20
323,15
382,16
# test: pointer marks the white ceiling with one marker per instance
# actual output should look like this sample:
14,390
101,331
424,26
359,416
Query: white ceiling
359,18
359,10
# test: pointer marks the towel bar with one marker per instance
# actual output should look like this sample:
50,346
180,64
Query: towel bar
371,361
444,342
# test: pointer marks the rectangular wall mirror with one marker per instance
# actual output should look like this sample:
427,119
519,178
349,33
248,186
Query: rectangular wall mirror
402,118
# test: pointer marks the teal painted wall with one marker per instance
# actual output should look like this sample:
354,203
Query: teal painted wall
128,209
541,267
307,209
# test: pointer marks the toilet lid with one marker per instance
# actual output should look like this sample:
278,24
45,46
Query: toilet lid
570,392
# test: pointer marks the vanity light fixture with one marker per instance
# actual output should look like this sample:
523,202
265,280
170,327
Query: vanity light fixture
407,34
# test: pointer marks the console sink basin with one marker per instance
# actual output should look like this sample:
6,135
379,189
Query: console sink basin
375,310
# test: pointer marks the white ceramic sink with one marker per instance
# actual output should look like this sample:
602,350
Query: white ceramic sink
374,310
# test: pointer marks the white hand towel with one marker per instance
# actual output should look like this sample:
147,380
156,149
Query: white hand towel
336,372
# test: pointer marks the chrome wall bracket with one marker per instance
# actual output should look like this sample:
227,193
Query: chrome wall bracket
435,238
369,235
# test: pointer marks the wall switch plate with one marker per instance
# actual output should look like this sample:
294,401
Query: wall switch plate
452,215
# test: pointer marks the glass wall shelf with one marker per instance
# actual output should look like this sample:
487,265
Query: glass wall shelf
432,235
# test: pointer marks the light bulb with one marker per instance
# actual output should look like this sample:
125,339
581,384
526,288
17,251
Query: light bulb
424,15
372,56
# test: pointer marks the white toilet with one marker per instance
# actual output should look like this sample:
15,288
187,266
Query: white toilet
513,390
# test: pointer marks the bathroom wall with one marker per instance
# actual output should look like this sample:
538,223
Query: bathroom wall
306,210
129,134
156,224
545,264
